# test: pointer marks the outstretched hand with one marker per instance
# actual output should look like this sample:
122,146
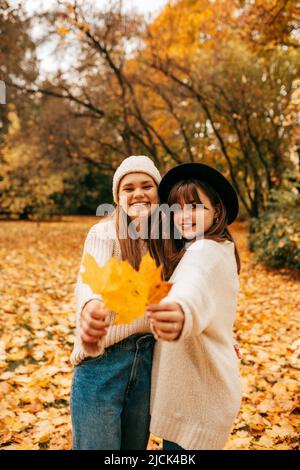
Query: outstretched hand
166,320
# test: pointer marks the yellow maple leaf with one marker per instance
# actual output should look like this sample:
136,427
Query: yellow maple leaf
123,289
158,292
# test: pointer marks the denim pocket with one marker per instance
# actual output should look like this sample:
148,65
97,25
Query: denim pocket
92,360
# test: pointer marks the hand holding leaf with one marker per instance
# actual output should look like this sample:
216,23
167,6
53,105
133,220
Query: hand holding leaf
124,290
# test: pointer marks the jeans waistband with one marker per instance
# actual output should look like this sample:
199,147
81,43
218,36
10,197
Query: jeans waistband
142,339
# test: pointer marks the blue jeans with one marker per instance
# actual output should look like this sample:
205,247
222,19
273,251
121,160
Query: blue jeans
168,445
110,397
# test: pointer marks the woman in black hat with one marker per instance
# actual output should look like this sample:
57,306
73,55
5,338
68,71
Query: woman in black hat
196,386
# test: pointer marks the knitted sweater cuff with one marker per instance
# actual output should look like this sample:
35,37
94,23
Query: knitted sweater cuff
187,329
93,349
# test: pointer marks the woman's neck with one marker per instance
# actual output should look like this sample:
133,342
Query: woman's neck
188,242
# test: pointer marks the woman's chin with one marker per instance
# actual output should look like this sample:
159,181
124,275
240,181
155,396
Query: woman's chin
192,235
188,235
134,214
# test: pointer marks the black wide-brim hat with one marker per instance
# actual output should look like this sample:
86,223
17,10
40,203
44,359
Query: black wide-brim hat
205,173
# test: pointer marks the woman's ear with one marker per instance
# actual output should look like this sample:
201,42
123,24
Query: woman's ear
217,211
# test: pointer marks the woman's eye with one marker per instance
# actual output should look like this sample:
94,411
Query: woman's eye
193,205
199,206
148,187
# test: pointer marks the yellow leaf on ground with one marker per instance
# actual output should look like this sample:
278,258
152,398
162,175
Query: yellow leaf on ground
62,30
45,438
266,442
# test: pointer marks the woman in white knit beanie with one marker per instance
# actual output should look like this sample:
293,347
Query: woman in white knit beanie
110,392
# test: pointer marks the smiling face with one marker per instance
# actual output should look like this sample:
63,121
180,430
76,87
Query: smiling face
197,214
137,192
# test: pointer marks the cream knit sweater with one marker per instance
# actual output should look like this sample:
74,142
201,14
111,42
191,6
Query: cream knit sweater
196,387
102,243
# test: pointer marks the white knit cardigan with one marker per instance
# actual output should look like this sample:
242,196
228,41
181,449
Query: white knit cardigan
196,386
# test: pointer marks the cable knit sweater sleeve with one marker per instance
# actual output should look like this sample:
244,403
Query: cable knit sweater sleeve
200,282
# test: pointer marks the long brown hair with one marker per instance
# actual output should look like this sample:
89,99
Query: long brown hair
168,252
132,249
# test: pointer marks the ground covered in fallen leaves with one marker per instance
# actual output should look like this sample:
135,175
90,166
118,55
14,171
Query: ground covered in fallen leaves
38,268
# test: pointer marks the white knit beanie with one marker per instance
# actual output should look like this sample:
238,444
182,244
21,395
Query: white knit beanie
133,164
